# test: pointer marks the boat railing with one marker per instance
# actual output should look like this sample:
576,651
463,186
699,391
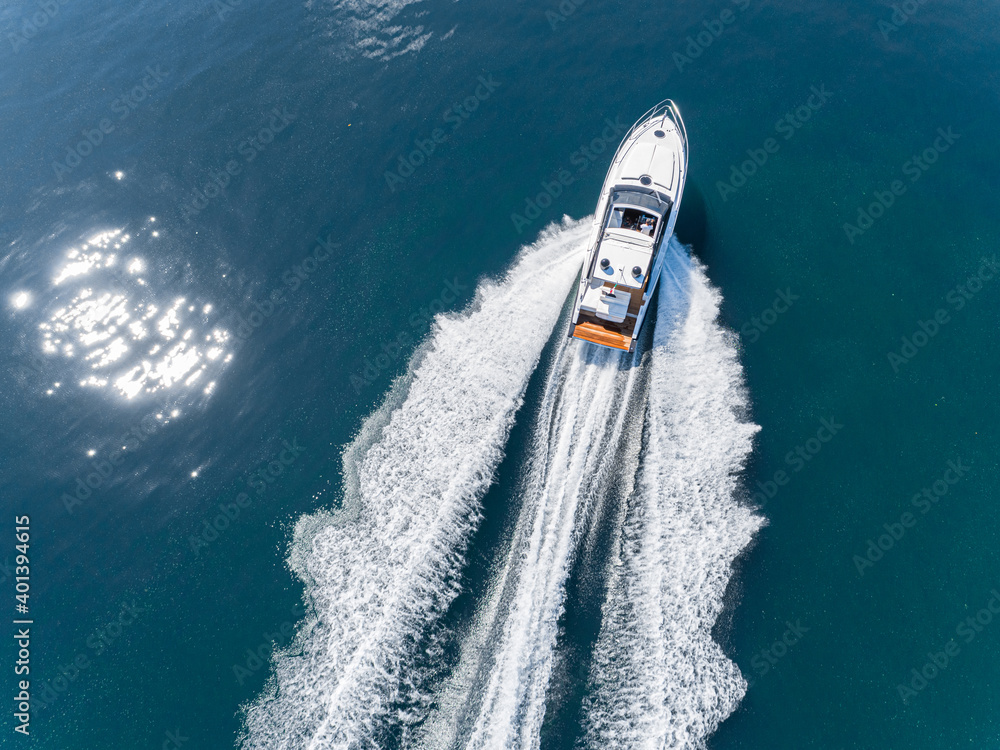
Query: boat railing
663,110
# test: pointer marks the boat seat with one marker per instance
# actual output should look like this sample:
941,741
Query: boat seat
613,309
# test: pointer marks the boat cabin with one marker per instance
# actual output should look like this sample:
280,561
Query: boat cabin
634,219
619,275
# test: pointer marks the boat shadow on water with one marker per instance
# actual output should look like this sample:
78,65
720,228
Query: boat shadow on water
692,222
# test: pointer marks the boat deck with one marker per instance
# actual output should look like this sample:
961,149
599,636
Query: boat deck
597,333
642,192
616,335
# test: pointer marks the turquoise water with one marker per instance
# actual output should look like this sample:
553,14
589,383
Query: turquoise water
309,279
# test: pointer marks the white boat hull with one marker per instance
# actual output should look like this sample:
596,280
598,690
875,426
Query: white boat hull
633,223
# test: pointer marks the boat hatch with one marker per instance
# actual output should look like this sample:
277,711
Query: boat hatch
651,160
606,303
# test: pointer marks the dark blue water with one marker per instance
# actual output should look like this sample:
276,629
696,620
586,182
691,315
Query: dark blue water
304,186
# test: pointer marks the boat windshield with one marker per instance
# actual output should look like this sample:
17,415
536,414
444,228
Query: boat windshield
626,217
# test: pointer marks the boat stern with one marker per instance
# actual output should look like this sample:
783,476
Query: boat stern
595,333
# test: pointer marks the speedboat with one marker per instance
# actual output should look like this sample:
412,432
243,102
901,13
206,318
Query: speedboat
633,223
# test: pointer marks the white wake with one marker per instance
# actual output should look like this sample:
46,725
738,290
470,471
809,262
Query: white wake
380,572
497,695
658,679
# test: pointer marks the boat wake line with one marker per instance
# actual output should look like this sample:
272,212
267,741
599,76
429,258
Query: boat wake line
380,572
658,679
588,427
665,431
662,429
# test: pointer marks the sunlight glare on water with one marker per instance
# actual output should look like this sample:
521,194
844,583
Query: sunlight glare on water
126,333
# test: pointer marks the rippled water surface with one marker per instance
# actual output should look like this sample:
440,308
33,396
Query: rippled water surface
309,461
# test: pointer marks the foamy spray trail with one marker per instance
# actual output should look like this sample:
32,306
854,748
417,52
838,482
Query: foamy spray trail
380,572
496,697
658,679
